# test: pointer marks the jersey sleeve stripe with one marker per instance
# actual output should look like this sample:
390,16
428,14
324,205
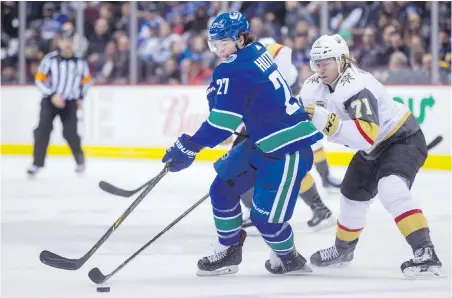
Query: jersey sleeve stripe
224,120
286,136
227,112
366,130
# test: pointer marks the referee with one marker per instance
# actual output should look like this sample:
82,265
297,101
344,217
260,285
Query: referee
63,80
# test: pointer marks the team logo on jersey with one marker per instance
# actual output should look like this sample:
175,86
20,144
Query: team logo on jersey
314,79
346,78
230,58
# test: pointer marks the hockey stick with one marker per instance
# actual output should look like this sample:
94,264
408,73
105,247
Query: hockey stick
97,277
54,260
114,190
117,191
435,142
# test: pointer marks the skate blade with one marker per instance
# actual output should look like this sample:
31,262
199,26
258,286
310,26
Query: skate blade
221,271
334,265
432,272
305,270
325,224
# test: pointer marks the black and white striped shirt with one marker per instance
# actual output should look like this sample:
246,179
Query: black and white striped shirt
68,77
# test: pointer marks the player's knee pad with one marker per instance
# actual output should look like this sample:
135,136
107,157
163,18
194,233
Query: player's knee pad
235,162
395,195
222,195
352,213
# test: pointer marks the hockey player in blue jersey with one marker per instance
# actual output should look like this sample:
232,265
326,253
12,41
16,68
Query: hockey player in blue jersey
249,88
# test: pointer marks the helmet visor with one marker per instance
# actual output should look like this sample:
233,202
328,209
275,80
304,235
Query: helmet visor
217,46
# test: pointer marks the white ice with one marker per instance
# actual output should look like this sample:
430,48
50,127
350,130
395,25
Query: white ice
67,214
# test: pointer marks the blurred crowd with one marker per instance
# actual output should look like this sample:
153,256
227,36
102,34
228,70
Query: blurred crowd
390,39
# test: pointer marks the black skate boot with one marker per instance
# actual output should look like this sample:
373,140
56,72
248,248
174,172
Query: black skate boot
294,263
322,216
332,256
225,260
424,264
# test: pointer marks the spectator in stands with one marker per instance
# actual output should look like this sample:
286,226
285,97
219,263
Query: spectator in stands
48,26
198,22
369,53
199,75
300,51
258,29
295,12
185,68
396,45
444,50
80,42
106,74
123,23
199,47
97,43
398,71
171,74
9,74
122,60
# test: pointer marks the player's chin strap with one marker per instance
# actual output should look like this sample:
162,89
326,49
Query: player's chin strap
340,73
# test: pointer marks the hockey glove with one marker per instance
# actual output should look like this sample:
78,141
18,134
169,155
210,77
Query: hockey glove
210,94
328,123
182,153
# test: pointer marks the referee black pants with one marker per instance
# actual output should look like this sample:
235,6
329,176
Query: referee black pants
68,116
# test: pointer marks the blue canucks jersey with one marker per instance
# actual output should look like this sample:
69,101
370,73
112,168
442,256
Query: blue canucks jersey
247,87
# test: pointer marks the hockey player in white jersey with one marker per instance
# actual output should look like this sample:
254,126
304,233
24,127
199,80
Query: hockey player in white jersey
352,108
322,215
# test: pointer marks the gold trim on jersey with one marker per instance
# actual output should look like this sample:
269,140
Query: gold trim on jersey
397,127
274,49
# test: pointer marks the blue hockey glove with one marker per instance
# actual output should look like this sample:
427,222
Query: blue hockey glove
182,153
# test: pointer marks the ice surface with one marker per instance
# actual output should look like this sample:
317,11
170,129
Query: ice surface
67,214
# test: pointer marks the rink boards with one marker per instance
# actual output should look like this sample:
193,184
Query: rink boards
142,121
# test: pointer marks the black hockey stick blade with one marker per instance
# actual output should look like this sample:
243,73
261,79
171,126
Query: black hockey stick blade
54,260
435,142
110,188
97,277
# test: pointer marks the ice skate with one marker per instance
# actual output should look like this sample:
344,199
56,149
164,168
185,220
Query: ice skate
332,256
322,216
32,171
80,168
294,263
225,259
424,264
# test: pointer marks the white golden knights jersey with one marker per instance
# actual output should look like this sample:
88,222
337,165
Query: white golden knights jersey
370,117
283,58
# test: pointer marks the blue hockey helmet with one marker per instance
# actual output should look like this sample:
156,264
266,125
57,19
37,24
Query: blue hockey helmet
227,25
